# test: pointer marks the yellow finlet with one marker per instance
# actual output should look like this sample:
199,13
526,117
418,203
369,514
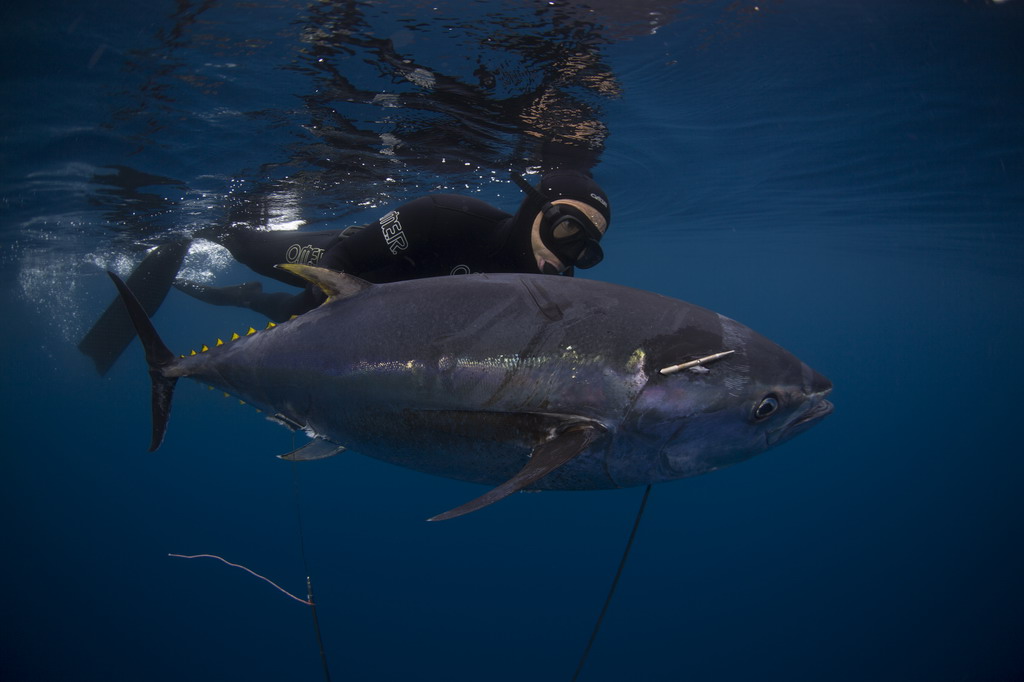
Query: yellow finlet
250,332
219,342
271,325
204,348
234,336
193,352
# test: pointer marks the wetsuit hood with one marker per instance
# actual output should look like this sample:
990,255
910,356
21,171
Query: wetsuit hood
573,184
562,184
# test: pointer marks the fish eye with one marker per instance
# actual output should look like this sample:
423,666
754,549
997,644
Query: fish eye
766,408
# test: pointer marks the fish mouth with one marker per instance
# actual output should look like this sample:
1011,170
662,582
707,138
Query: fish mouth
819,410
815,413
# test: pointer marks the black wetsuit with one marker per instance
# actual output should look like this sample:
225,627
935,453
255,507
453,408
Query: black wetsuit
438,234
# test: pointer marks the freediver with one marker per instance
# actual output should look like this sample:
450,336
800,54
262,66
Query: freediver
557,228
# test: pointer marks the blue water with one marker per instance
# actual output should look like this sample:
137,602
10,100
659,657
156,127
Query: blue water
846,178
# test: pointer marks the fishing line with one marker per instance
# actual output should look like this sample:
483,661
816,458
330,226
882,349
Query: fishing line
309,601
296,493
316,628
615,583
247,570
305,565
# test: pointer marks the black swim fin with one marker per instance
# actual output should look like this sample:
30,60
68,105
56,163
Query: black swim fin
238,295
150,281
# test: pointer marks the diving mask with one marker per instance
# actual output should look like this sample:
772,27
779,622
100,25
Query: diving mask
565,230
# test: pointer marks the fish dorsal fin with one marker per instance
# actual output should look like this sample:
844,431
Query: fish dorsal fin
336,285
545,458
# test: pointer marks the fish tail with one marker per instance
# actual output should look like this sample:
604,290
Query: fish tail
158,356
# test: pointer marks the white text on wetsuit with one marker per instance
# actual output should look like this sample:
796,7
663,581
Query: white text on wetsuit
306,255
393,235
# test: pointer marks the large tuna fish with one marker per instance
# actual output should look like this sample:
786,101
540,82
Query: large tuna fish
514,381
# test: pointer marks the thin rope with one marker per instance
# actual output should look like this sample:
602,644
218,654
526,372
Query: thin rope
247,570
298,515
316,628
615,583
305,564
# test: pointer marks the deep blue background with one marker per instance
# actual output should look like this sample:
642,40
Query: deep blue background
847,180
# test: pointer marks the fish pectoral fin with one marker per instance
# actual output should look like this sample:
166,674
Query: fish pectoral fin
333,283
544,459
318,448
